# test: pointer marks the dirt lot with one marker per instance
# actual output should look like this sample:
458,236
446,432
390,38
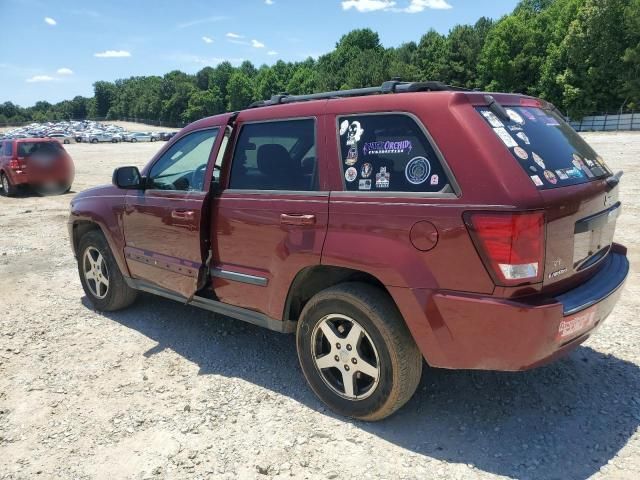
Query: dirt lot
168,391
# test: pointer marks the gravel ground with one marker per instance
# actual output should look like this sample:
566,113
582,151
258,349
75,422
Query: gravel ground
164,390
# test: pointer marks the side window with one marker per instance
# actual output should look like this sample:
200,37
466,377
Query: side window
275,156
183,166
8,149
388,153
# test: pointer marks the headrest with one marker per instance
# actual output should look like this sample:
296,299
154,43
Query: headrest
274,159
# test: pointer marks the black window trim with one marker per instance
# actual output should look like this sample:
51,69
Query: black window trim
315,193
171,144
457,192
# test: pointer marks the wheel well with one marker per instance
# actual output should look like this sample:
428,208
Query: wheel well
80,229
313,280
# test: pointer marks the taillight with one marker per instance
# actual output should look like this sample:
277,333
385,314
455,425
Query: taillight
14,164
510,244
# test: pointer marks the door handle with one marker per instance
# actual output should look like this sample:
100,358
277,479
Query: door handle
287,219
183,214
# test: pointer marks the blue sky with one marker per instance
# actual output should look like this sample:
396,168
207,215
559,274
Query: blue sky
54,50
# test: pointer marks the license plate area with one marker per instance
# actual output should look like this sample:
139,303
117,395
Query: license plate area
571,327
593,237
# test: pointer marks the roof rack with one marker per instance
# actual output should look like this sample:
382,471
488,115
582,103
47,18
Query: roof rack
391,86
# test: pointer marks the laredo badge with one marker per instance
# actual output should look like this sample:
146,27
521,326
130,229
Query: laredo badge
417,170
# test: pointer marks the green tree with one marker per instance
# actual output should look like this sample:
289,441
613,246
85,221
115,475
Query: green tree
240,91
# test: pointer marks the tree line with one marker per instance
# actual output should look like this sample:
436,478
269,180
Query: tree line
581,55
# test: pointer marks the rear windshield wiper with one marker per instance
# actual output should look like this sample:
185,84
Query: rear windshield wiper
496,108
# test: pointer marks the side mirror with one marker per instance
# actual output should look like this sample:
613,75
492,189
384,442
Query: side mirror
128,178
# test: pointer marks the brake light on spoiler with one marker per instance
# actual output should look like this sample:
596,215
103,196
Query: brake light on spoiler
511,245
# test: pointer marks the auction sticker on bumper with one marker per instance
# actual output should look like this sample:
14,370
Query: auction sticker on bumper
578,323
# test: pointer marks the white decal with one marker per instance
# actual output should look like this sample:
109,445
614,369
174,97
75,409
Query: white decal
351,174
492,119
505,137
417,170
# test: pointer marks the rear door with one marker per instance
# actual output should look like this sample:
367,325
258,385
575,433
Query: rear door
581,208
271,220
166,225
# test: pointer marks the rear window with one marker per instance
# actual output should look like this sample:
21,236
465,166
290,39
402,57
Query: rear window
27,149
389,153
548,149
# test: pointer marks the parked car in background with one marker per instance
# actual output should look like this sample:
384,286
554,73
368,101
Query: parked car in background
139,137
382,225
97,137
62,137
37,162
157,136
168,135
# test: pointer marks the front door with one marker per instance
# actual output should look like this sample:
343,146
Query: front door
165,222
271,220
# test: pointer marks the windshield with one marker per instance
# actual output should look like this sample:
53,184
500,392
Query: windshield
547,148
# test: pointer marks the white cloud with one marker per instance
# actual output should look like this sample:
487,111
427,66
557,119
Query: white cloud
112,54
40,78
233,35
368,5
200,21
269,2
50,21
272,52
417,6
206,39
257,44
64,71
414,6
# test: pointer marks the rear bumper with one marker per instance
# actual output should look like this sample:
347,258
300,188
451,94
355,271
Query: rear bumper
461,331
24,177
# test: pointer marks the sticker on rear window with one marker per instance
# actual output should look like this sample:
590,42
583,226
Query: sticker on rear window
505,137
493,120
351,174
417,170
521,153
536,180
538,159
515,116
550,176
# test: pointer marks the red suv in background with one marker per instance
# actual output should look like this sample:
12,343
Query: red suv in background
41,163
383,225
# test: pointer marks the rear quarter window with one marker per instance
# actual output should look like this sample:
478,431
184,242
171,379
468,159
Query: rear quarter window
546,147
388,153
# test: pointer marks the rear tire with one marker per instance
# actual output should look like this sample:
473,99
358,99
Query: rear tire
100,276
7,189
95,140
379,359
134,140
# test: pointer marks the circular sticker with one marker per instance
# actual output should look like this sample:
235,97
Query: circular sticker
343,127
417,170
538,159
351,174
521,153
550,176
515,116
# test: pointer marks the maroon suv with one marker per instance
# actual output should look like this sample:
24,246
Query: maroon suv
41,163
382,225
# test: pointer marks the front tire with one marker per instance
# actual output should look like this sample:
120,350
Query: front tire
95,140
356,352
100,276
134,140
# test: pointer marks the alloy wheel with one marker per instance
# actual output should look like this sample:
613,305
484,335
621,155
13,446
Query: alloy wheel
95,272
345,356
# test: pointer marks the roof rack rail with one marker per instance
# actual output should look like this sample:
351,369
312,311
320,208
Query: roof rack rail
391,86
